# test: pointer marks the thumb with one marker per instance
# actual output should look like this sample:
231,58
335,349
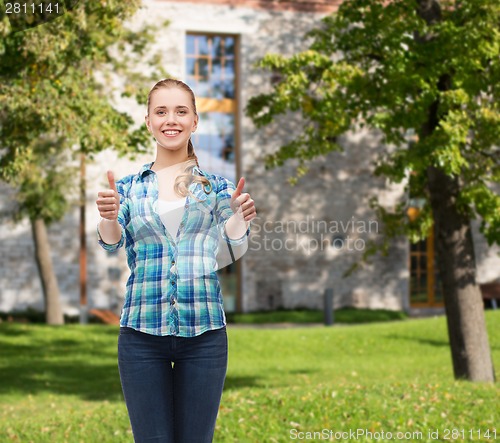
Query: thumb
239,188
111,180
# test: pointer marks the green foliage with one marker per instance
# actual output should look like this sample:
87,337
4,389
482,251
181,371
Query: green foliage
431,88
57,83
47,182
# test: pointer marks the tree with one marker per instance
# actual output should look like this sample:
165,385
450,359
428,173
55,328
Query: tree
426,67
56,89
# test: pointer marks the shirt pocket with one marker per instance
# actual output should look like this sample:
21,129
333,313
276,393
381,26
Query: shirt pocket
145,224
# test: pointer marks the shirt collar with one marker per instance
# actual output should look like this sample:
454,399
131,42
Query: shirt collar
147,167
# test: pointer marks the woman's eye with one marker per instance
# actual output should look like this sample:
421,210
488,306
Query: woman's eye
160,112
182,112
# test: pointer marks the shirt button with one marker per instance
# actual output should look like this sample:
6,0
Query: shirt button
172,302
172,262
172,282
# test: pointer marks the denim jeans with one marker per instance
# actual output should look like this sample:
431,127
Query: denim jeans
172,385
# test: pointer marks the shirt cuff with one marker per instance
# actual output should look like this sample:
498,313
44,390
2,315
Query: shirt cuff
106,246
237,241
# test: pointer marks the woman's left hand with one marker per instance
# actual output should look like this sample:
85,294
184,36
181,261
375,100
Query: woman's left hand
241,202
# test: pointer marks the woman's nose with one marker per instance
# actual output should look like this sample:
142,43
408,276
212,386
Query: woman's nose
171,118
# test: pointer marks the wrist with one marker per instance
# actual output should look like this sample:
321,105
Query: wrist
108,220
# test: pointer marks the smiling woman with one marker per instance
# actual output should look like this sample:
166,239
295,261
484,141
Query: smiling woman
172,346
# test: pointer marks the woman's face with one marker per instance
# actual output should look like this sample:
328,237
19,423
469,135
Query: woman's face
171,118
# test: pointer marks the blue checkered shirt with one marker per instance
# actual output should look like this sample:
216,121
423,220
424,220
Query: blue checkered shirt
173,287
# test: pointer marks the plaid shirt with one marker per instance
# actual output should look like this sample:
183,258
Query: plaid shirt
173,288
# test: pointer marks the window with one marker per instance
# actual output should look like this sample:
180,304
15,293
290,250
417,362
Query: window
425,284
211,71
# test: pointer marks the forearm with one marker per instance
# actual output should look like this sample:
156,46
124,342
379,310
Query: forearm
110,231
236,227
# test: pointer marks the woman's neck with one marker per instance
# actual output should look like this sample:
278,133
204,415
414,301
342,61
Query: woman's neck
172,161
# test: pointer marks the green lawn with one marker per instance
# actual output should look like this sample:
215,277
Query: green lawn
61,384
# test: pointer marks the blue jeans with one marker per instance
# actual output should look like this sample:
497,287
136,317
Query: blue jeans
172,403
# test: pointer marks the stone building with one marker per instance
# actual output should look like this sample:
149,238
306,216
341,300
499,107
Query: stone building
304,238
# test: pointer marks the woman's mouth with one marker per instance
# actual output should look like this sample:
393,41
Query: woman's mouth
171,133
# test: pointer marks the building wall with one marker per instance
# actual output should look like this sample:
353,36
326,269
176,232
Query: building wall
291,260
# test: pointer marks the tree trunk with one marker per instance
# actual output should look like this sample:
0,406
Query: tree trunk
53,311
470,349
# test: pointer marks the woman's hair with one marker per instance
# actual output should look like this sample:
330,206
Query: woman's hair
182,182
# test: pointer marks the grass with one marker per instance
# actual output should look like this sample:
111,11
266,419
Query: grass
61,384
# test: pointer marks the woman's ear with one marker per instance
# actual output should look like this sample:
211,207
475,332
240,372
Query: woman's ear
146,119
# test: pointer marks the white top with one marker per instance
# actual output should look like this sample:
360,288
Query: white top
171,212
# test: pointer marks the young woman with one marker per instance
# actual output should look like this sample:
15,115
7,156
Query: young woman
172,215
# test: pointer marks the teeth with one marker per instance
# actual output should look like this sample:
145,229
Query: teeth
171,132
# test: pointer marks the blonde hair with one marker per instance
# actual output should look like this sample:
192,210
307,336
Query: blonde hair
184,180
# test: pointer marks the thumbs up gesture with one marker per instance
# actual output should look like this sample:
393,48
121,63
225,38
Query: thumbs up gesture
241,202
108,202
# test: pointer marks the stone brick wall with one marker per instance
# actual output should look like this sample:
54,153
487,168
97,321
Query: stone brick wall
327,227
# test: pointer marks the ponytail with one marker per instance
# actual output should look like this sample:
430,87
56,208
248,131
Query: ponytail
191,153
182,182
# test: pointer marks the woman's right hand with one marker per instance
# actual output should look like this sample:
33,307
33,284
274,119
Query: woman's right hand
108,202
